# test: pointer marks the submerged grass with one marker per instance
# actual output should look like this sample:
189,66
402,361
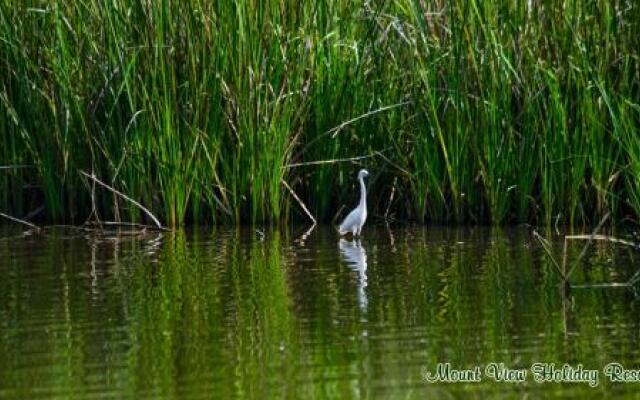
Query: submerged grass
475,111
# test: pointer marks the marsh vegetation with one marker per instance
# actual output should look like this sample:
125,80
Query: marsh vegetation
465,111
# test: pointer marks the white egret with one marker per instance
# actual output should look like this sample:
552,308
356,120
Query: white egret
356,218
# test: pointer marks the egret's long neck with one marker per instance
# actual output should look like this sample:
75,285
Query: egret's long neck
363,194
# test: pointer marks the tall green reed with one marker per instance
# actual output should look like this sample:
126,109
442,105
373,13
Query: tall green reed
470,111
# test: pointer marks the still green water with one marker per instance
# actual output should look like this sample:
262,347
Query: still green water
239,314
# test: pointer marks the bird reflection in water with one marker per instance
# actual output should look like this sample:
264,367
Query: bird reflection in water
356,257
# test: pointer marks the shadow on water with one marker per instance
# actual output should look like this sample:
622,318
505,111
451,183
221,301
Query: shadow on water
240,314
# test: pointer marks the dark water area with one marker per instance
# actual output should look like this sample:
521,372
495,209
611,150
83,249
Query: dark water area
248,314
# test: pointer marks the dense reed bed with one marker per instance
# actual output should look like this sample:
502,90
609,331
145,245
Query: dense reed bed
467,111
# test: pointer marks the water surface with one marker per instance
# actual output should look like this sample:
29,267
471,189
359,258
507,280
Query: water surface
249,314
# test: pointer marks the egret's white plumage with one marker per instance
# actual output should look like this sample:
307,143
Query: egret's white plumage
356,218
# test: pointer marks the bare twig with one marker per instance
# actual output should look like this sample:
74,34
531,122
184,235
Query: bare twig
564,256
335,217
604,238
15,166
70,227
303,238
34,213
394,165
94,209
129,224
334,131
124,196
590,238
20,221
586,246
333,161
295,196
635,278
547,248
602,285
391,195
392,239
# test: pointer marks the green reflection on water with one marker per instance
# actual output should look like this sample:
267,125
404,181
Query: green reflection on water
232,314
